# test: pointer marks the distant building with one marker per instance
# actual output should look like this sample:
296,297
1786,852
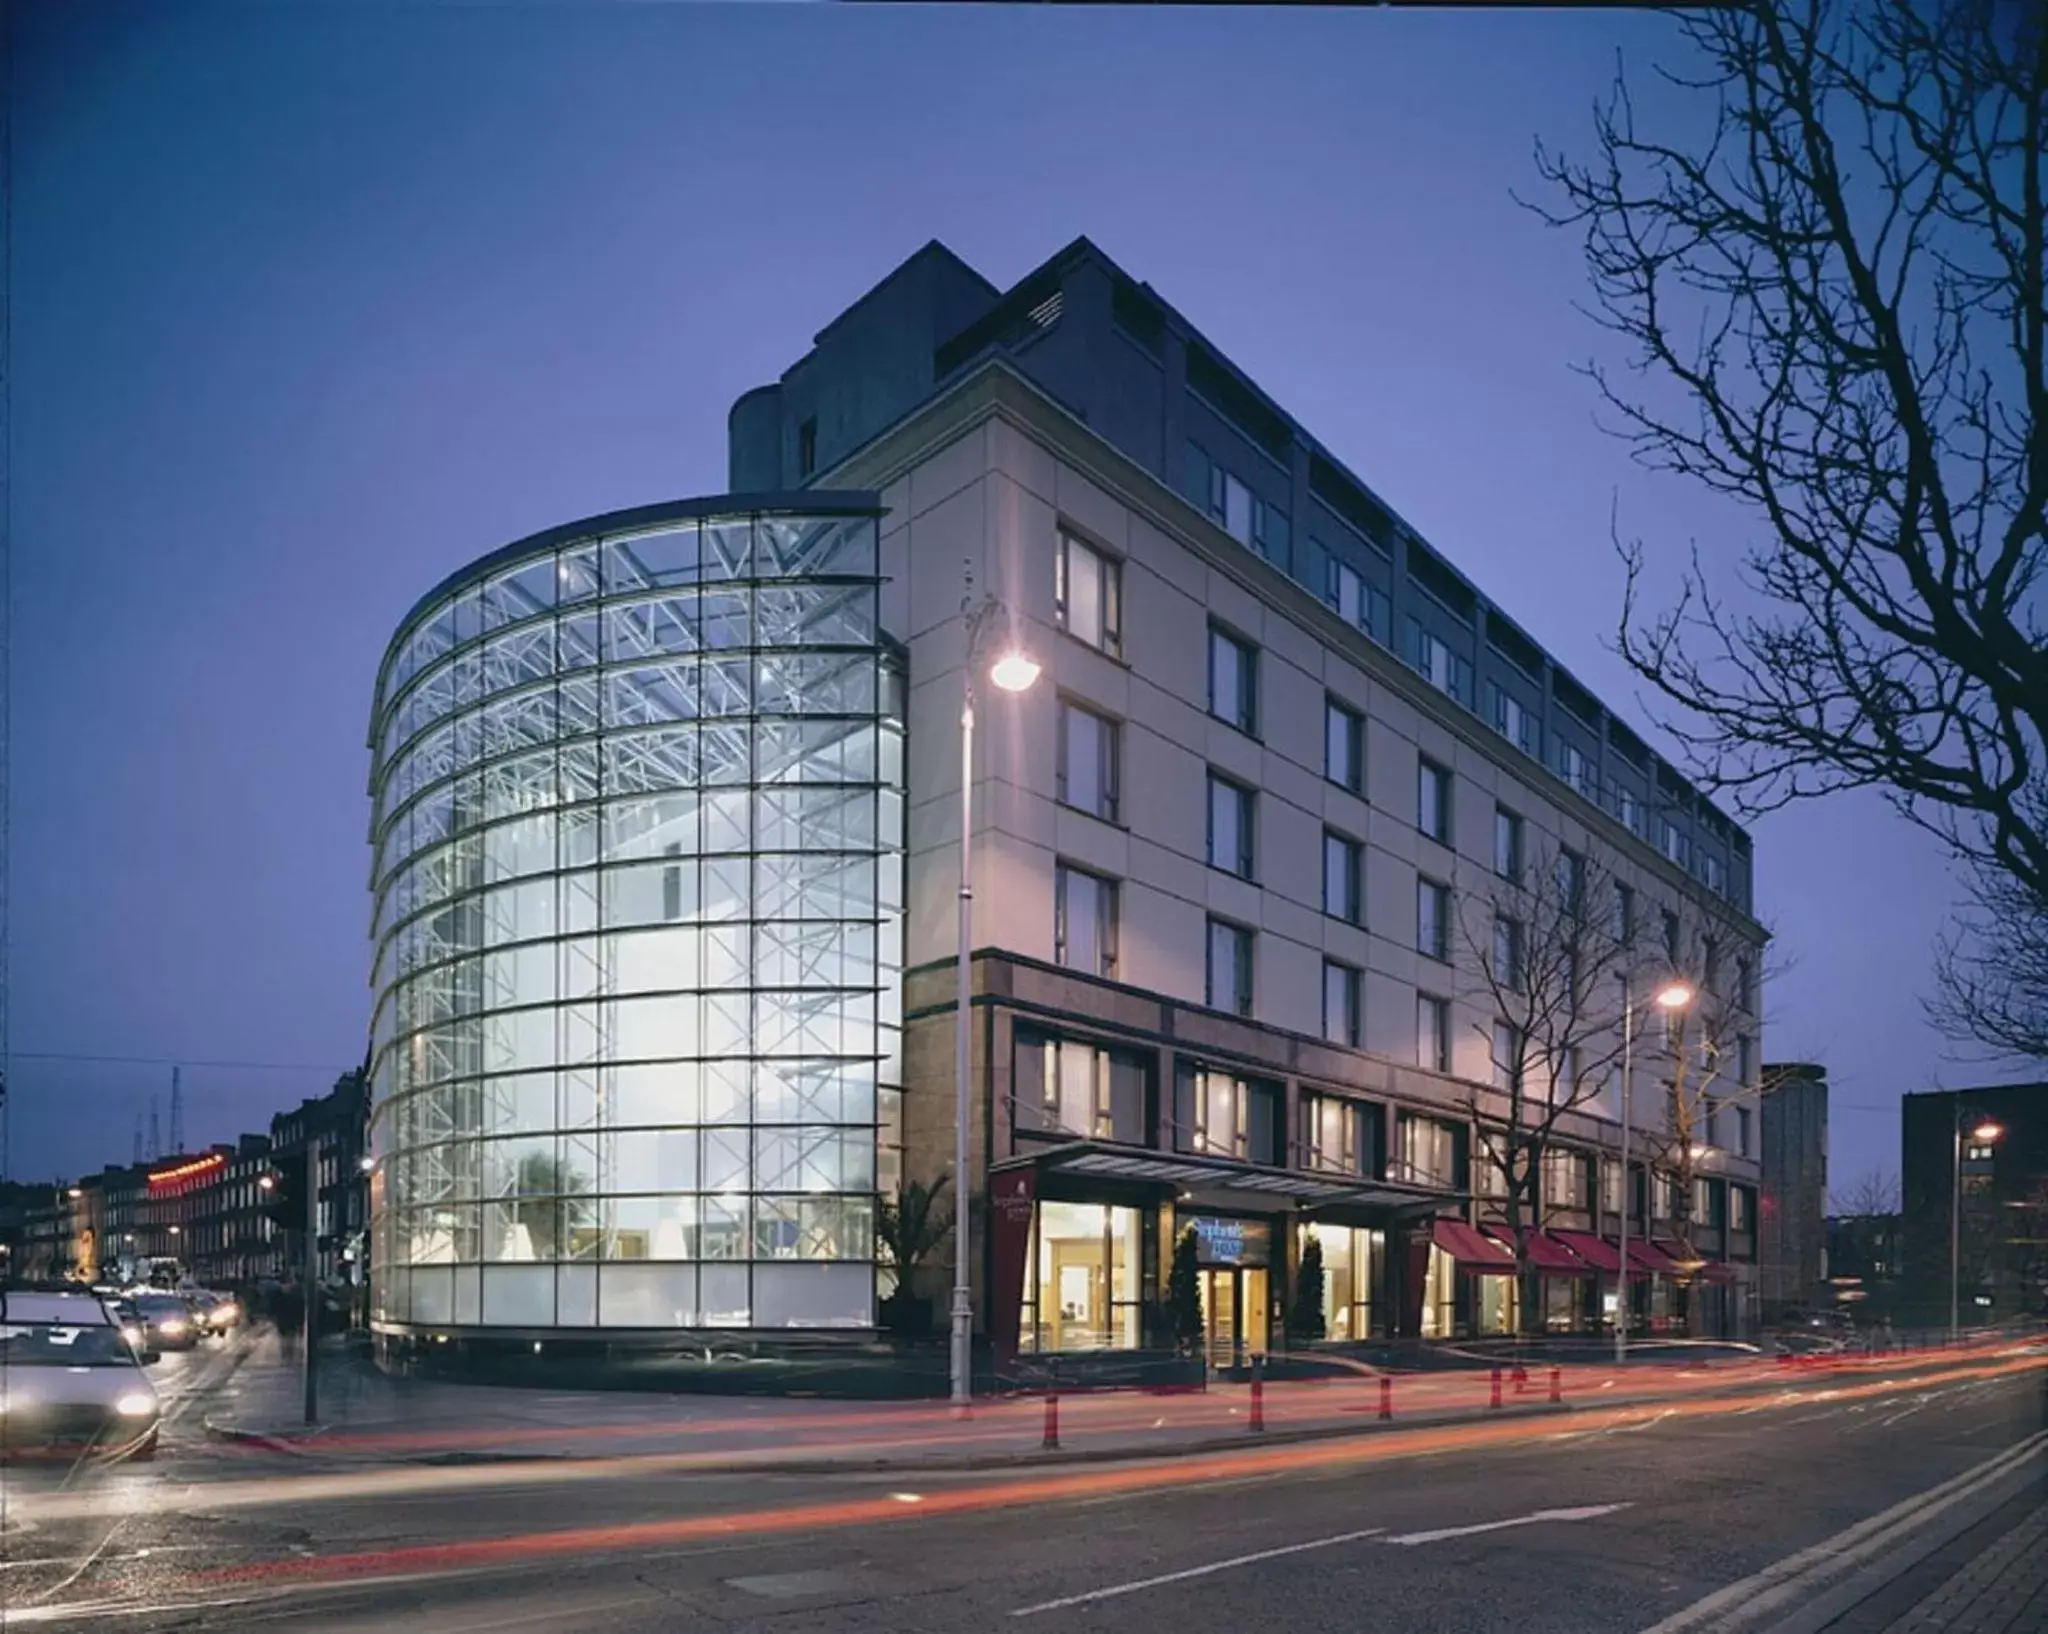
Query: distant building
1863,1270
1975,1211
1792,1239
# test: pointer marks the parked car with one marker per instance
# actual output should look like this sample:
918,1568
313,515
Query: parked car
70,1384
168,1322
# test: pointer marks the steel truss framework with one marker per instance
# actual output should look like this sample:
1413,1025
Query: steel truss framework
637,838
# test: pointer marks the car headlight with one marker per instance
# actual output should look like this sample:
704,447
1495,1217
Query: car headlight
135,1405
174,1324
224,1314
133,1335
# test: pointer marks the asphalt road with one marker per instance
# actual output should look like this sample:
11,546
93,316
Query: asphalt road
1383,1532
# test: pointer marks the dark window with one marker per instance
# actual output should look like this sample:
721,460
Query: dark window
1433,919
1230,968
1342,895
1089,761
1341,1006
1343,746
807,448
1433,802
1088,595
1230,827
1233,680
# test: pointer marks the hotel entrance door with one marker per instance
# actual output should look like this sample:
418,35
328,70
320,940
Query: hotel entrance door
1234,1311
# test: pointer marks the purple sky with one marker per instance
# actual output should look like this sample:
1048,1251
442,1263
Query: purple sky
312,305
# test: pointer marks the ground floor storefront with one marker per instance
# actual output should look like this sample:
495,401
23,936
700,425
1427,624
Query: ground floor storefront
1082,1246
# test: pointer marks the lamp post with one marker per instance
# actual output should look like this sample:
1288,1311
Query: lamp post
1014,671
1984,1134
1674,995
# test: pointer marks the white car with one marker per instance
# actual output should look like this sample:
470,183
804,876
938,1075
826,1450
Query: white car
70,1382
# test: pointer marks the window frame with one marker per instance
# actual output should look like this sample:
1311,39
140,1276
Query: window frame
1246,704
1108,914
1439,893
1510,843
1243,996
1353,980
1340,716
1109,773
1248,849
1434,773
1109,598
1350,855
1438,1009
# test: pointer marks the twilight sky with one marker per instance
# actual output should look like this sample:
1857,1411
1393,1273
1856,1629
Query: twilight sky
313,304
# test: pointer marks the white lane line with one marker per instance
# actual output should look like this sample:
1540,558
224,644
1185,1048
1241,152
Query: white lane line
1585,1513
1117,1589
1768,1590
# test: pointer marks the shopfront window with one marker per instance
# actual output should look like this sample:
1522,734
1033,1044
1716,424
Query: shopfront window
1354,1265
1564,1304
1496,1304
1440,1296
1081,1286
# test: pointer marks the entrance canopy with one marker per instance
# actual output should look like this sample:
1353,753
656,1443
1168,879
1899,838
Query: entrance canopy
1175,1172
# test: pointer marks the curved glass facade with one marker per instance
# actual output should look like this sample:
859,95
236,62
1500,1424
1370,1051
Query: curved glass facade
638,832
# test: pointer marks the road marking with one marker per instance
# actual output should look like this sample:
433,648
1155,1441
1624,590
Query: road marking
1787,1579
1214,1566
1584,1513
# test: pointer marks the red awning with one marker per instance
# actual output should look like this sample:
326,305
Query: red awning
1546,1253
1650,1260
1471,1248
1597,1252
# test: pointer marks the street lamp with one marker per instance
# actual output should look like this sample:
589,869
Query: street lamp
1982,1135
1013,671
1673,995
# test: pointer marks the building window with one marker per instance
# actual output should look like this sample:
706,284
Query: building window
1230,968
1514,722
1070,1087
1082,1291
1738,1208
807,447
1564,1179
1230,826
1610,1187
1332,1134
1088,595
1233,679
1628,809
1447,671
1429,1152
1227,1116
1507,843
1676,845
1671,936
1713,873
1341,869
1433,802
1088,765
1084,934
1625,915
1341,1007
1571,884
1742,1132
1489,1171
1356,599
1576,769
1507,953
1343,746
1433,1032
1507,1055
1433,919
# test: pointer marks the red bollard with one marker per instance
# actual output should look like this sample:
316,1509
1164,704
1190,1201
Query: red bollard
1521,1379
1494,1401
1258,1393
1052,1423
1386,1397
1556,1385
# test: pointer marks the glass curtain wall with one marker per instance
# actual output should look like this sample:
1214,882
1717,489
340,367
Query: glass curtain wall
638,889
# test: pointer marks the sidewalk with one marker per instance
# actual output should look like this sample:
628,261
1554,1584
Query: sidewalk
368,1417
2004,1590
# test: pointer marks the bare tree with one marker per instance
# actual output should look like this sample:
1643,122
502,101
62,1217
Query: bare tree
1991,972
1705,1060
1547,953
1846,280
1873,1193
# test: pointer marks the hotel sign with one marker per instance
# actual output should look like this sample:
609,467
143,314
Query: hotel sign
1220,1240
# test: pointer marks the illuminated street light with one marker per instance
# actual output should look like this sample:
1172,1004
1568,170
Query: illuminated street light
1014,671
1984,1134
1676,996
